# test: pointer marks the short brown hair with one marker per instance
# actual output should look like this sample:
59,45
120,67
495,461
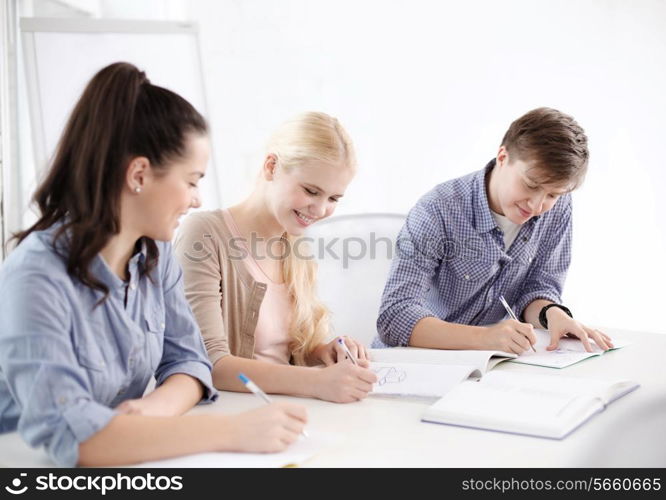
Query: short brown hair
553,141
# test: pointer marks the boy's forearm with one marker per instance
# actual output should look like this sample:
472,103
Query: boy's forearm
434,333
532,311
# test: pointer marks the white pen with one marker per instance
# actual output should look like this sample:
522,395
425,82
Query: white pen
347,351
511,313
254,389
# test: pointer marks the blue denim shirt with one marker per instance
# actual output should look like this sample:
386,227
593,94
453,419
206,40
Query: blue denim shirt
451,262
65,364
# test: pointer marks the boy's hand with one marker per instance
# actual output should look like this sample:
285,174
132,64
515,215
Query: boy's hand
561,324
509,336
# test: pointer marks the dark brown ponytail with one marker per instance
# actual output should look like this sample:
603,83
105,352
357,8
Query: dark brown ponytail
120,115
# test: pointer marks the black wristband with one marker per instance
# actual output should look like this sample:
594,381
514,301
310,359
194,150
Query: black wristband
542,315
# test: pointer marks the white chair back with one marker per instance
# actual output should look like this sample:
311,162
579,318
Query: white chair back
354,253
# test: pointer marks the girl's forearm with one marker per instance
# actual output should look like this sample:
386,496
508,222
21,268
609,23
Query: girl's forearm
178,394
130,439
272,378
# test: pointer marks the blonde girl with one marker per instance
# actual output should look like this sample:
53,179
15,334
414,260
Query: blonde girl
250,284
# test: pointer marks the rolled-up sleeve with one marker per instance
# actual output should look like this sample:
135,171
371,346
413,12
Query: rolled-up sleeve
40,367
403,301
549,268
184,351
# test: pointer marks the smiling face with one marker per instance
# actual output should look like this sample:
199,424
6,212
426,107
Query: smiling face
304,194
169,193
516,191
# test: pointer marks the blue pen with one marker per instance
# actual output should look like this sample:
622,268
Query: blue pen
254,389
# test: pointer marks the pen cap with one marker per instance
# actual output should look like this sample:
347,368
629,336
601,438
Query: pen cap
243,378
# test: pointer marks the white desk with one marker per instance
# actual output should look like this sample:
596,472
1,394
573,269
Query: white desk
388,432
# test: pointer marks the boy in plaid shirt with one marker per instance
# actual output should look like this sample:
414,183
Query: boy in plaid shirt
503,230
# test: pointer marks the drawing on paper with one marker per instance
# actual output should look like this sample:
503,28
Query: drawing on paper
389,375
564,350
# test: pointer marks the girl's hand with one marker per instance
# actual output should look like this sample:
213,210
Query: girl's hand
267,429
343,382
332,352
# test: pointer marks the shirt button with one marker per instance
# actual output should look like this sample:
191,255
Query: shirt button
162,325
467,276
62,400
133,285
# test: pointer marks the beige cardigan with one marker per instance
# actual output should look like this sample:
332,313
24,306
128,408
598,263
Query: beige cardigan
224,297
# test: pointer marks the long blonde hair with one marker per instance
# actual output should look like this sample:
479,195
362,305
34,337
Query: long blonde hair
309,139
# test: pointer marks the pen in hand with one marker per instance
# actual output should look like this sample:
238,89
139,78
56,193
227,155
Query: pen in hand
512,315
254,389
347,351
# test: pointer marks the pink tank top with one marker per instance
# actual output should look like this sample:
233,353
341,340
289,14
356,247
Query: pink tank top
271,336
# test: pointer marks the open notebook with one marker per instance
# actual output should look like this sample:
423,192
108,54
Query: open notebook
411,371
537,405
569,351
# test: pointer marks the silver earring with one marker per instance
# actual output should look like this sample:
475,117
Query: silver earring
137,190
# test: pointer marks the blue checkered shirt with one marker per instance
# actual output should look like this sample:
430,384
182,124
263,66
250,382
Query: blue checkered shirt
451,262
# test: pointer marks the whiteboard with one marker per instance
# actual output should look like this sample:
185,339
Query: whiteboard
62,55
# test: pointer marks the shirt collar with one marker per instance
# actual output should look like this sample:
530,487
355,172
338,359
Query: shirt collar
98,266
484,220
104,273
483,217
142,251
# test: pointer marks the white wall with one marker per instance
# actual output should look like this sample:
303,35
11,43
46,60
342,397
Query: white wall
427,89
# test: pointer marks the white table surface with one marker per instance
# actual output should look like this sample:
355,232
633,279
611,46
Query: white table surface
383,432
